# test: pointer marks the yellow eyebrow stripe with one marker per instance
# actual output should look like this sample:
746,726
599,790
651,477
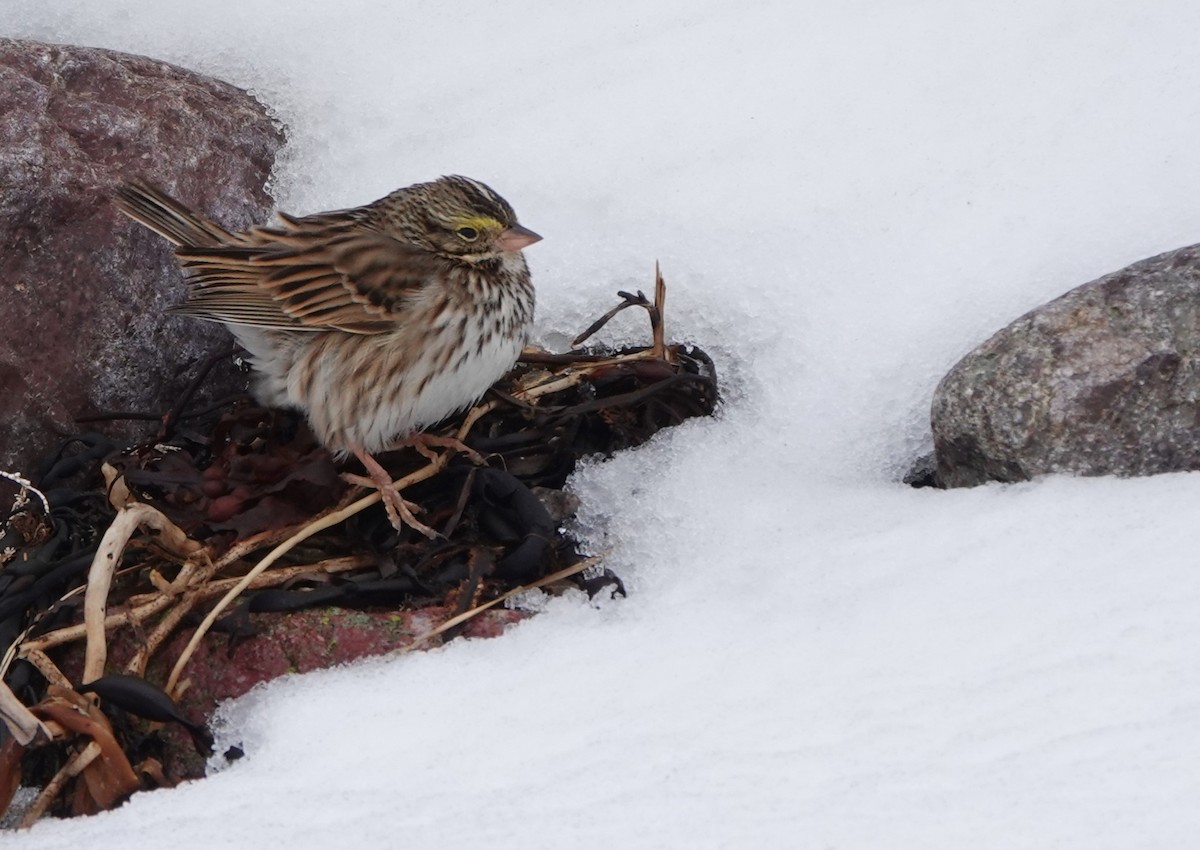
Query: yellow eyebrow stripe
479,222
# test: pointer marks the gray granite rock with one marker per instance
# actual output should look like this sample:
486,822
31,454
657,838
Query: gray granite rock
82,290
1104,380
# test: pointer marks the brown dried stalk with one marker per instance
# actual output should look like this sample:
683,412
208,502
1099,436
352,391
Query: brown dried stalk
47,668
658,349
137,665
95,601
75,766
567,572
21,722
141,659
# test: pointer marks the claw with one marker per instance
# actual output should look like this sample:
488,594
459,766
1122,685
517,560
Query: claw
400,511
424,444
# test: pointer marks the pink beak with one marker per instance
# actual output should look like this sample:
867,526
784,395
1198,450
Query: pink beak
515,238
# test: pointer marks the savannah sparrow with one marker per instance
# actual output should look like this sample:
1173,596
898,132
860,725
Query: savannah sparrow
376,321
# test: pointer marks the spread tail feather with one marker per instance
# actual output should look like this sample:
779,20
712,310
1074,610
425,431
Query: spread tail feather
167,217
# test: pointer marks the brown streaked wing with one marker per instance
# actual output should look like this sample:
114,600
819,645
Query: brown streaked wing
325,221
239,307
356,281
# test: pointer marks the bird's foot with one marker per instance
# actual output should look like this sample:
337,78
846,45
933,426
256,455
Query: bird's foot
400,511
425,443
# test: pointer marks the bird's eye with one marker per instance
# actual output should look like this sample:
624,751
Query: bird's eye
468,233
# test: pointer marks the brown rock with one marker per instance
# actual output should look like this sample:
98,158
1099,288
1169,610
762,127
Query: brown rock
297,642
82,290
302,641
1104,380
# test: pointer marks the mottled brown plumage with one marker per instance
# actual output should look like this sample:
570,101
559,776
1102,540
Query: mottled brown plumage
376,321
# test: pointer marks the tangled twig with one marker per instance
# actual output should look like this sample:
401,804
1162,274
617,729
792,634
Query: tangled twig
21,500
148,573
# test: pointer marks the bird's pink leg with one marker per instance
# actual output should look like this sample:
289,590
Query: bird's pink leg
399,510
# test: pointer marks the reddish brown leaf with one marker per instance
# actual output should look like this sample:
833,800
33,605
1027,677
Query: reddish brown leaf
110,778
10,771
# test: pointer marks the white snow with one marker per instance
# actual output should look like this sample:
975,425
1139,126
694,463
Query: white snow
846,197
